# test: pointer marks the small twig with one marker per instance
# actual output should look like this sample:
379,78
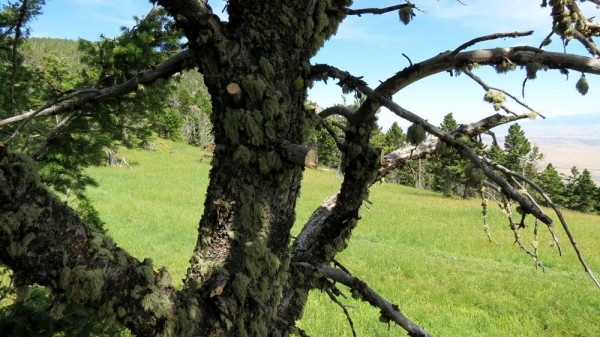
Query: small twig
408,58
336,301
332,133
339,265
514,227
390,310
489,37
547,38
484,206
341,110
536,241
588,43
486,87
378,11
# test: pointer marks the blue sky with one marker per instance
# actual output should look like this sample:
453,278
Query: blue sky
372,46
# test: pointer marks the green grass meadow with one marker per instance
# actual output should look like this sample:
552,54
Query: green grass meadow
424,252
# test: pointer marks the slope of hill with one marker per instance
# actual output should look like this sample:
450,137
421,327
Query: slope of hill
426,253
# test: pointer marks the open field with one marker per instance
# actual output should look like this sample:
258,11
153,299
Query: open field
424,252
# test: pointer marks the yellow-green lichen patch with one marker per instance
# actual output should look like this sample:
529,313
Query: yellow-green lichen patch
158,304
242,155
252,123
146,271
254,86
25,217
83,284
231,125
266,67
239,286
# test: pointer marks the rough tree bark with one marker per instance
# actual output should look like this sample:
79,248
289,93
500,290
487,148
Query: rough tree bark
244,277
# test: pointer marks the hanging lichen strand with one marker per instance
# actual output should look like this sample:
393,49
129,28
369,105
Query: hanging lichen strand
258,106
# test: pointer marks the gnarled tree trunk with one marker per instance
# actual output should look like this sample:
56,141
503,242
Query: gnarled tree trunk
245,279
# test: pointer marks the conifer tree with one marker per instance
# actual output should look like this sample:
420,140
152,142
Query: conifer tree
552,183
445,168
394,138
582,192
516,148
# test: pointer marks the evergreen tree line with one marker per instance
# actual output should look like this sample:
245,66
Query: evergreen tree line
46,69
38,71
184,114
447,172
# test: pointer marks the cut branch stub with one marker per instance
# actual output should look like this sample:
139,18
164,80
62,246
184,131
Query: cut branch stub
234,90
300,155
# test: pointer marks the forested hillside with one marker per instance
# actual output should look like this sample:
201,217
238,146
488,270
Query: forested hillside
35,49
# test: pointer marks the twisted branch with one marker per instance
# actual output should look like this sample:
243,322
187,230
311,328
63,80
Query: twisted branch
359,85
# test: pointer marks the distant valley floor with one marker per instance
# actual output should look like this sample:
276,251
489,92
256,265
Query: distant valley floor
567,141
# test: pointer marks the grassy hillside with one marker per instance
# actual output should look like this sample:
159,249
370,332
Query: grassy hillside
425,252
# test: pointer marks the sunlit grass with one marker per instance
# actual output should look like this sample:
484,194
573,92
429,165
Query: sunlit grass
424,252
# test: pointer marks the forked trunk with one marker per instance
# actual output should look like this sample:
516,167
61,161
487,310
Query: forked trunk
258,85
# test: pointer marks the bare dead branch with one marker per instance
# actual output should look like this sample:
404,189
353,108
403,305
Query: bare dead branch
428,147
316,220
488,38
387,308
588,43
332,133
341,110
486,87
378,11
468,153
77,99
484,213
446,61
556,210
